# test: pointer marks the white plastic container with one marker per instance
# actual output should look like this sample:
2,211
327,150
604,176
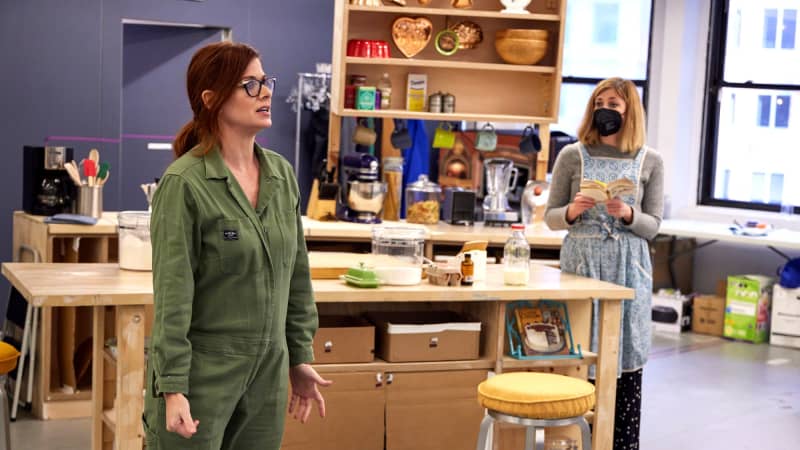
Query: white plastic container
135,249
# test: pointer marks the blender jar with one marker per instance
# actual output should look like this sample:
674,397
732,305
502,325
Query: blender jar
135,250
422,201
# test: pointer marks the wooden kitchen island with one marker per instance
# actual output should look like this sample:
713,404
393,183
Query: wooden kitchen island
122,295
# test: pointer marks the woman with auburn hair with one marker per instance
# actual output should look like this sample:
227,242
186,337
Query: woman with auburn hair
234,310
607,239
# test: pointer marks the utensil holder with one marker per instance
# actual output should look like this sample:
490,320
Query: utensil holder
90,201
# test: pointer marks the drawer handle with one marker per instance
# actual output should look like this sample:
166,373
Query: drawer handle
328,346
434,342
389,378
379,379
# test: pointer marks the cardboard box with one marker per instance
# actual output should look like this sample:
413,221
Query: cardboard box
355,405
417,92
433,410
671,312
785,327
426,336
708,314
747,308
342,339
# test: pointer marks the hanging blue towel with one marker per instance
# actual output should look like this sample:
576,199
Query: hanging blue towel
416,159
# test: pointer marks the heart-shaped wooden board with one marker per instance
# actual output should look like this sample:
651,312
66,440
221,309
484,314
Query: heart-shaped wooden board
411,34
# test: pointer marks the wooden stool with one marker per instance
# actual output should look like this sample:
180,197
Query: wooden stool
536,400
8,361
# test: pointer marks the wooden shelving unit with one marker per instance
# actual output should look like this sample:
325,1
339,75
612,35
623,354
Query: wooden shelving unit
486,88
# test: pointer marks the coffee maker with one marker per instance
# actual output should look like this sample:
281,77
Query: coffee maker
361,200
47,189
500,177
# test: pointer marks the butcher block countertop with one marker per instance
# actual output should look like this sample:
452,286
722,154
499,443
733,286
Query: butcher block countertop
87,284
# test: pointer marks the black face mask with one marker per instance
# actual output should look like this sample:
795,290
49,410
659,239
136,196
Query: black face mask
607,121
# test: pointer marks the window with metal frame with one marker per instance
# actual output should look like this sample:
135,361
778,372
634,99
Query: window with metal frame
602,39
749,157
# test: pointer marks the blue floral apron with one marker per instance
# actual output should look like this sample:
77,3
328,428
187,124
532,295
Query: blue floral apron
599,246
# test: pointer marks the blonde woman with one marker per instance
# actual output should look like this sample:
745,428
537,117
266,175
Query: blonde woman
608,240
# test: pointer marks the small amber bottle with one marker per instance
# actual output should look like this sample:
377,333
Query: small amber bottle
467,270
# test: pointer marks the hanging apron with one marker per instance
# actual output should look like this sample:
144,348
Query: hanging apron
599,246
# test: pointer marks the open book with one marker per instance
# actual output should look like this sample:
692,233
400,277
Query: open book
602,192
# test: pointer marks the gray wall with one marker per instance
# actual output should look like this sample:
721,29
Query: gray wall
62,74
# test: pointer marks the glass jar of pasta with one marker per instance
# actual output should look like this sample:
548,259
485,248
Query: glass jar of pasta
422,201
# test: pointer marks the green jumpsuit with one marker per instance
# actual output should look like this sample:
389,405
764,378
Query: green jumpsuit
233,302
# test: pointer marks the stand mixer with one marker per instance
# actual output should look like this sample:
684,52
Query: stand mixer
361,200
500,176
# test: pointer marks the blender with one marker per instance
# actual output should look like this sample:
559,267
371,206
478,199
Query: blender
361,200
500,177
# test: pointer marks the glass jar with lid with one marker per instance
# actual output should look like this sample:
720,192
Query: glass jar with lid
135,250
406,243
422,201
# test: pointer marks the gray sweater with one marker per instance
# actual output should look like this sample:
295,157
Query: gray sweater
647,210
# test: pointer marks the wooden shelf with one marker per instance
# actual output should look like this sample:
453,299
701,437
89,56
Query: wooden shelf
462,65
454,12
424,115
589,358
380,365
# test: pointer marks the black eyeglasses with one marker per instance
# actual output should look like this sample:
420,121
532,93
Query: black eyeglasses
253,87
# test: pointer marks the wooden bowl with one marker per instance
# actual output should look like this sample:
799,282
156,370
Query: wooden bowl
520,51
519,33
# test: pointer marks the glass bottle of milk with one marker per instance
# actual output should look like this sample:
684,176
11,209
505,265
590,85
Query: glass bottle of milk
516,257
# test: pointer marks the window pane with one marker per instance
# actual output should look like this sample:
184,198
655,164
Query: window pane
574,97
782,105
744,147
789,28
764,107
607,38
776,188
606,22
757,187
770,25
750,49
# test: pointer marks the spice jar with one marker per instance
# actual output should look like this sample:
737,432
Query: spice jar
448,103
422,201
435,102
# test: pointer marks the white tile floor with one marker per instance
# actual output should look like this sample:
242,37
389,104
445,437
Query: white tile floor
700,393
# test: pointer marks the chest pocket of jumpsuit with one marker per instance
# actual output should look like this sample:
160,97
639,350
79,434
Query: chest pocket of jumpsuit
287,223
239,246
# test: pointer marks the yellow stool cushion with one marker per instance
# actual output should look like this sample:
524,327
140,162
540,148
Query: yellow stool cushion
536,395
8,358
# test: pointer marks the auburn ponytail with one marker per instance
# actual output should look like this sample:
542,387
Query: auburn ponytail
218,68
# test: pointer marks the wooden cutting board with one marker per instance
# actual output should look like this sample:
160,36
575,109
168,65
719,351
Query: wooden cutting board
329,265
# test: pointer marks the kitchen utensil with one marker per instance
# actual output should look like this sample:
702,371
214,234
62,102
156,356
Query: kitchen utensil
422,201
90,201
105,178
400,138
411,35
486,139
406,244
89,171
364,135
73,173
500,176
94,155
135,250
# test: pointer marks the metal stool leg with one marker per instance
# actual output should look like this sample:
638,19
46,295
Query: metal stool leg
586,435
486,424
26,335
539,438
32,352
6,431
530,437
